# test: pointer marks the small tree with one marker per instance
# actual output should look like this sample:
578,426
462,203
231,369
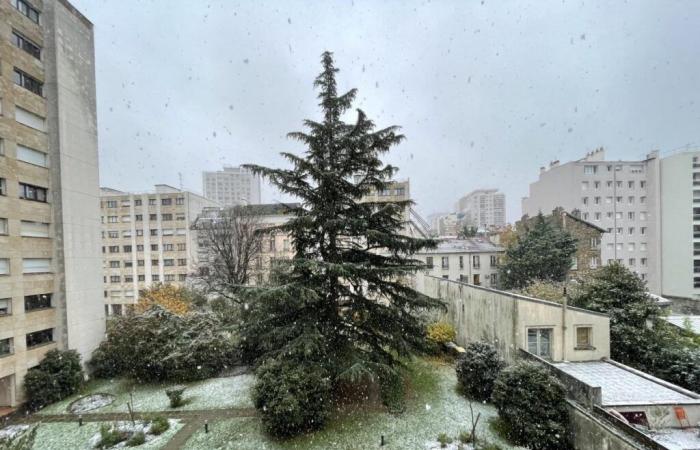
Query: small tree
231,240
477,370
532,403
56,377
542,253
176,299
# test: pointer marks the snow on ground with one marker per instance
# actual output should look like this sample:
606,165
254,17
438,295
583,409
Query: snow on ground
90,402
214,393
442,411
68,435
12,431
676,439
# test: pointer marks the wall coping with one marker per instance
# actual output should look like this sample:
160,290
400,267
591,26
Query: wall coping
519,296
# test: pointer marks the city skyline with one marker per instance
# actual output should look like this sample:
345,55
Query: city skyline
564,79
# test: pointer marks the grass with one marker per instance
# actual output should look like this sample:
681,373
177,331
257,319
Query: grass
433,407
61,436
214,393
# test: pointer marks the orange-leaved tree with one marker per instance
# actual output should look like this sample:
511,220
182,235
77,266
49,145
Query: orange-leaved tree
175,299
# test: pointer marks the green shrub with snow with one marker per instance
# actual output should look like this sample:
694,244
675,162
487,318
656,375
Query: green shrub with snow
292,396
158,345
532,403
57,376
477,370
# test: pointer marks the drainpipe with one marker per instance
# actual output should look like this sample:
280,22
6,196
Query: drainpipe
563,325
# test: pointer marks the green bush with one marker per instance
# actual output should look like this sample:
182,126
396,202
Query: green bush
57,376
477,370
292,397
110,436
532,403
136,439
159,425
392,392
464,437
444,439
158,345
175,396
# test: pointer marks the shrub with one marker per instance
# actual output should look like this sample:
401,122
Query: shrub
440,332
444,439
110,436
532,403
292,397
136,439
160,346
175,395
57,376
477,370
392,392
464,437
159,425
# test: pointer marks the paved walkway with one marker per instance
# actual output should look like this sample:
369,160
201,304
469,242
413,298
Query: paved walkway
193,420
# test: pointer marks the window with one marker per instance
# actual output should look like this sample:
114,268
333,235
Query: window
642,199
168,232
114,249
596,200
28,10
6,347
630,199
154,232
181,231
182,247
594,262
112,234
182,277
142,277
128,278
139,247
166,201
31,156
29,119
114,264
618,246
155,278
4,266
630,215
642,230
272,243
539,342
168,262
630,184
126,233
180,201
574,263
126,203
154,247
3,226
115,279
618,184
153,217
608,183
179,216
618,199
34,229
630,247
584,185
583,337
630,231
595,242
5,306
596,184
642,215
111,203
152,202
3,186
139,232
619,230
494,260
608,200
584,200
642,184
596,216
429,262
168,247
590,170
166,217
476,261
643,246
643,261
154,262
128,263
632,262
39,337
445,262
36,265
28,82
169,277
38,301
112,219
182,262
126,219
138,202
34,193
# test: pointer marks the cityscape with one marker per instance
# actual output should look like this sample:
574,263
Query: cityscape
331,294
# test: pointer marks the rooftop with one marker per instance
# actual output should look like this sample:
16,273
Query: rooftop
683,321
469,245
625,386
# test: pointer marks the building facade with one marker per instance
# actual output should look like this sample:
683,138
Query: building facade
146,240
232,186
588,238
483,208
473,260
50,281
446,225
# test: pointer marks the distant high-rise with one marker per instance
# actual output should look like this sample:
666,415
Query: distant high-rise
232,186
50,274
483,208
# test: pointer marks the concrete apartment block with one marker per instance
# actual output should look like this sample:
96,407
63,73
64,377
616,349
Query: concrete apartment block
232,186
146,240
49,233
650,210
483,208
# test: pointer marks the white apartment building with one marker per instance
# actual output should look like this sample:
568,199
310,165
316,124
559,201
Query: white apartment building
447,225
483,208
50,280
146,240
473,260
647,208
232,186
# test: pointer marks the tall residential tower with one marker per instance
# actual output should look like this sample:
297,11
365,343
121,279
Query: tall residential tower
232,186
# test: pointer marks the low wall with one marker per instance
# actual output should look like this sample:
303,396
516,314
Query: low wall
591,433
682,305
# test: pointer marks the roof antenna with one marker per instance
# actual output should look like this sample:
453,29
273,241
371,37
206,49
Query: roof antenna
179,175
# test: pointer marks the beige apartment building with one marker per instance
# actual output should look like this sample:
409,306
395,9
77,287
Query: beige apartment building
50,281
232,186
146,240
483,208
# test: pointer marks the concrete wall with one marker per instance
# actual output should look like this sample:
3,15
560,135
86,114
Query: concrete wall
591,433
72,121
479,313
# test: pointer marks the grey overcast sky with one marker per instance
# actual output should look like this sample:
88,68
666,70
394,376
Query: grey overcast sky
486,91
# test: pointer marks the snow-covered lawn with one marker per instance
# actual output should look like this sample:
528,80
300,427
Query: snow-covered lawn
214,393
62,436
437,408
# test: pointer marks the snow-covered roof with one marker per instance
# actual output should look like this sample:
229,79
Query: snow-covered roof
469,245
621,385
680,320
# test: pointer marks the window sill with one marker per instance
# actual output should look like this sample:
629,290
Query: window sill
38,273
7,355
44,344
27,311
588,347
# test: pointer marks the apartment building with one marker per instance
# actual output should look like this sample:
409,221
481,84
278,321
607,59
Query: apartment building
483,208
50,281
473,260
146,240
446,225
647,208
232,186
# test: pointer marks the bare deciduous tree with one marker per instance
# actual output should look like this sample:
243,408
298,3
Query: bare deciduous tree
230,242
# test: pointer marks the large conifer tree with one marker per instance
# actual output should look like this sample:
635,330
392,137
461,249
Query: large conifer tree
343,301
